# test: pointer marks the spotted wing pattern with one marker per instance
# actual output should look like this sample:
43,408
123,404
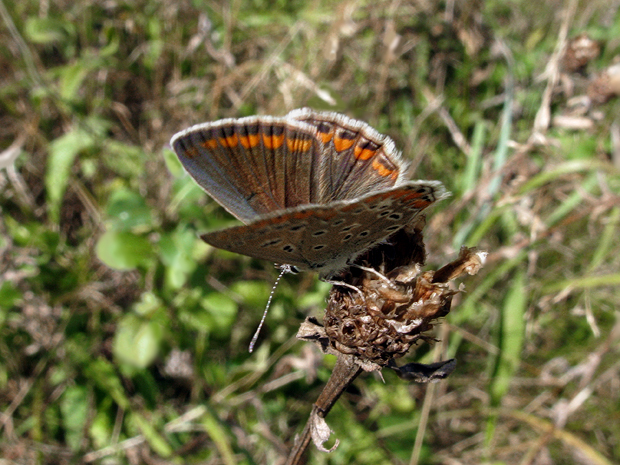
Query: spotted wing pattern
314,189
261,164
325,238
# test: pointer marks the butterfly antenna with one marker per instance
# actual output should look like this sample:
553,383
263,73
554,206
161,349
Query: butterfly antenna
262,320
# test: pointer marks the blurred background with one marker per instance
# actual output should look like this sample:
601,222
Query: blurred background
123,337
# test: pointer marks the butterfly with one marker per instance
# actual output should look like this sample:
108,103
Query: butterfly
313,190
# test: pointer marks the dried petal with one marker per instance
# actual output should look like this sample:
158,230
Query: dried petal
321,432
469,261
425,373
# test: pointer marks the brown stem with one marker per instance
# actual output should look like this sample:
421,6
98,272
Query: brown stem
345,372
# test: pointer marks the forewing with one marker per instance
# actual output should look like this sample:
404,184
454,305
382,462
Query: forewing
356,158
252,166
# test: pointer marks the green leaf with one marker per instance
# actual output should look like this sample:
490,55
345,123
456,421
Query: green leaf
104,375
47,30
173,163
512,330
254,293
137,340
155,440
176,252
124,159
155,44
111,49
62,155
128,211
222,309
102,425
71,79
220,438
9,296
124,250
215,311
74,409
148,305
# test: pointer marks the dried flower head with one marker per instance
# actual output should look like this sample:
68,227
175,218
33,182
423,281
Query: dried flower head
389,304
383,305
579,52
605,85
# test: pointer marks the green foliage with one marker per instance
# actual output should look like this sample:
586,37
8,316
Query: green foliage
74,405
124,337
124,250
63,152
49,31
139,334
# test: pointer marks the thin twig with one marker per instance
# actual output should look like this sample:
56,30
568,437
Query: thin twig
345,372
552,74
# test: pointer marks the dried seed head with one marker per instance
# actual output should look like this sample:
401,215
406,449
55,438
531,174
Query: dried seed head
606,85
579,52
395,304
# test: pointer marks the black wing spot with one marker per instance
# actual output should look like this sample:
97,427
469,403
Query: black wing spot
271,243
346,134
324,128
349,228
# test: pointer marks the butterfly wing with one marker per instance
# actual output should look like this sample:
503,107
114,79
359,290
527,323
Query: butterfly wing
258,165
356,159
325,237
252,166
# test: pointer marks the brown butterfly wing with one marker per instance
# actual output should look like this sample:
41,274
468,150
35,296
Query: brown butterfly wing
325,237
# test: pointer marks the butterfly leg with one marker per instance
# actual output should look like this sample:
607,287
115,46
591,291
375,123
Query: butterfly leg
347,285
375,272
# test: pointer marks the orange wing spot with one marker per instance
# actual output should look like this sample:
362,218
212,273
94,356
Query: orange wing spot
364,154
191,152
299,145
326,136
385,195
421,204
228,141
382,170
326,215
249,141
273,142
210,144
343,144
302,215
232,141
414,200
